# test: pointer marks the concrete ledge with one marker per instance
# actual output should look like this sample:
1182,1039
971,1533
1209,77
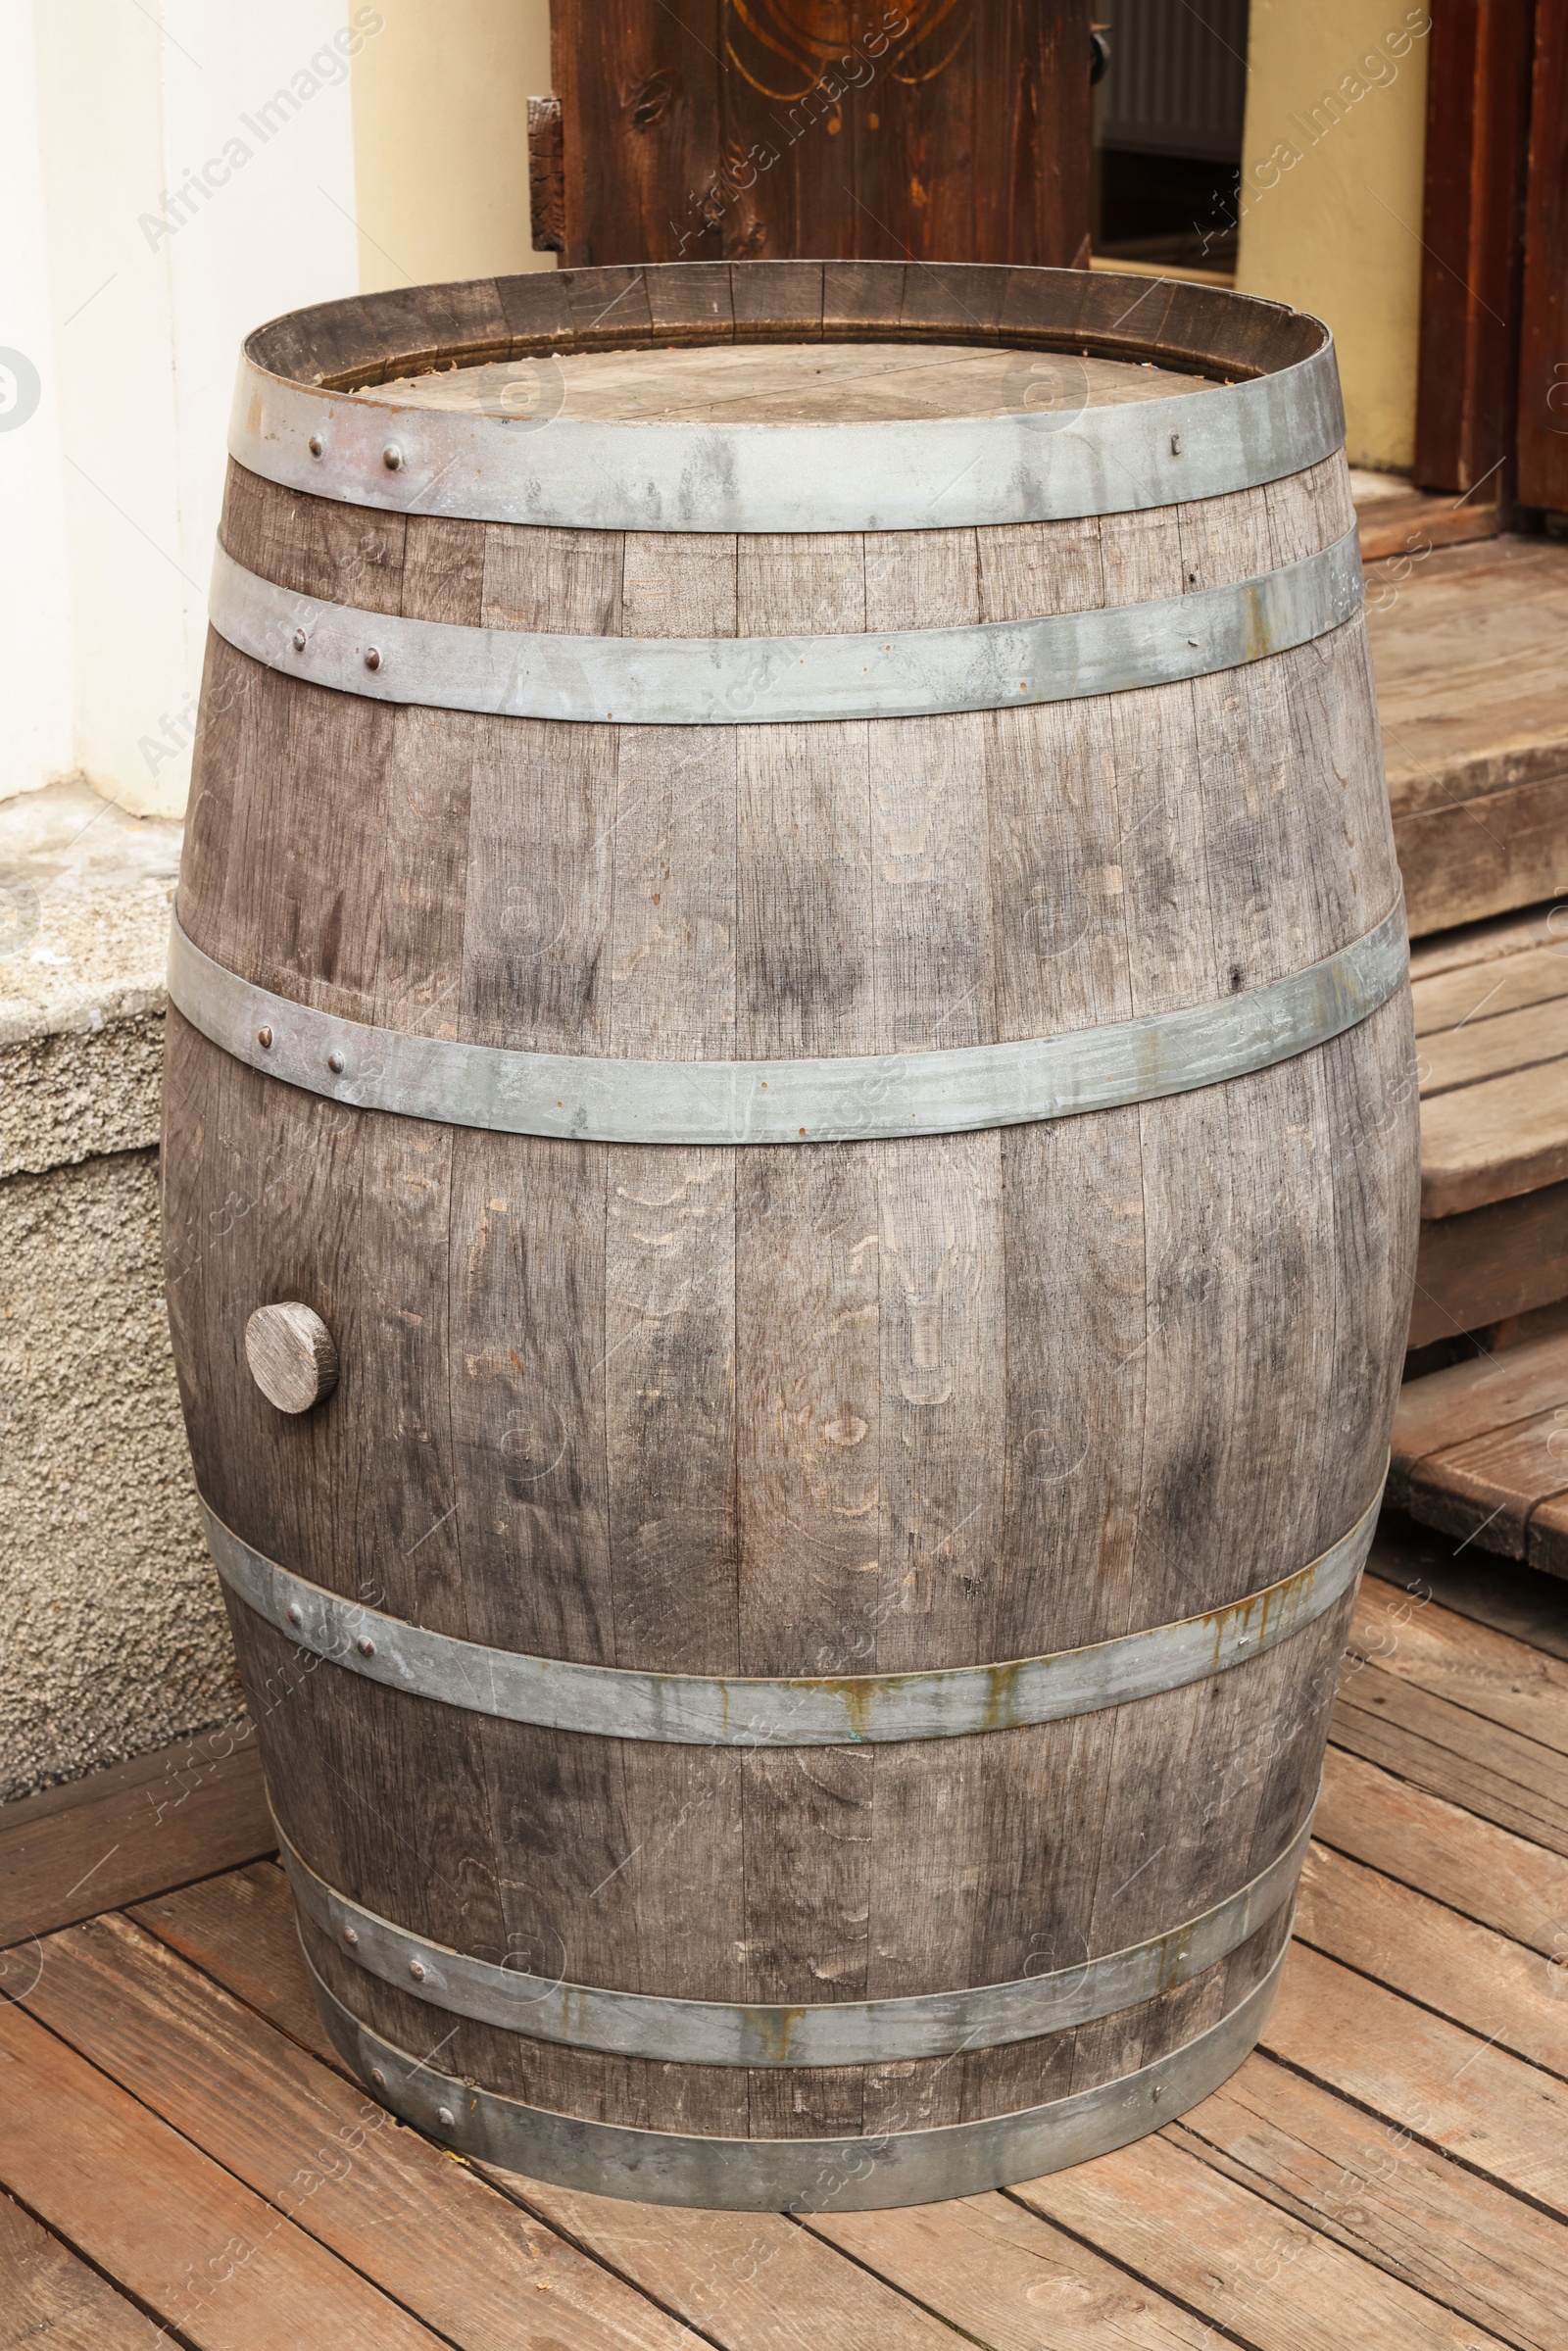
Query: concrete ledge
86,893
116,1640
76,1097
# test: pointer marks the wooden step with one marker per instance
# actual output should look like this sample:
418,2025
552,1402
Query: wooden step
1467,648
1408,524
1495,1139
1481,1451
1450,995
1490,1004
1479,1269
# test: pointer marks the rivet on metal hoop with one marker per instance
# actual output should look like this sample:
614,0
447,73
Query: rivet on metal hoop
372,659
296,1614
445,2117
335,1063
377,2076
366,1645
350,1937
299,640
264,1038
417,1970
392,457
315,444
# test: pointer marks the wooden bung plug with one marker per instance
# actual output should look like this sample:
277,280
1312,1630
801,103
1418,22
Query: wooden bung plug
292,1356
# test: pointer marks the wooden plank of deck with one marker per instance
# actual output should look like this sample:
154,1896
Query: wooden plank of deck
748,2282
1379,2192
1007,2274
216,2264
1482,1872
1478,1765
180,1812
1202,2237
382,2199
743,2279
54,2300
1403,1939
246,1914
1486,1672
1499,2114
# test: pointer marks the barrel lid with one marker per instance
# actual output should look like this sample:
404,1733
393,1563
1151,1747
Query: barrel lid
787,397
789,383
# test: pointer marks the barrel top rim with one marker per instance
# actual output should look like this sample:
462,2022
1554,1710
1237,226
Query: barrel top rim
307,416
358,342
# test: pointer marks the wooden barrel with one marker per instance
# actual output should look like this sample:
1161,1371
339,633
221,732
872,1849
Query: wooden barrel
791,1164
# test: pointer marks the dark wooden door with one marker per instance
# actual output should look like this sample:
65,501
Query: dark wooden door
1479,61
1544,339
714,129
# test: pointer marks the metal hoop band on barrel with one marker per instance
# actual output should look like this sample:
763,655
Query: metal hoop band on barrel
801,2174
846,2033
931,474
800,1711
756,681
577,1097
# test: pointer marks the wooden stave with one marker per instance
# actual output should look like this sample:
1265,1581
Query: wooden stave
401,1151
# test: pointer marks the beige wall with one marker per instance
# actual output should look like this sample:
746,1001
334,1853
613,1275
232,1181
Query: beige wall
1331,194
441,139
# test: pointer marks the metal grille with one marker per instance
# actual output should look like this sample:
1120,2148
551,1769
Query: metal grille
1177,83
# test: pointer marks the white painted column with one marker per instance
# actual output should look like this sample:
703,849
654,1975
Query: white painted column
36,667
197,173
174,172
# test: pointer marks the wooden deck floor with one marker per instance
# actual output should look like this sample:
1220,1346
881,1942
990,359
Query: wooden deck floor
185,2158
